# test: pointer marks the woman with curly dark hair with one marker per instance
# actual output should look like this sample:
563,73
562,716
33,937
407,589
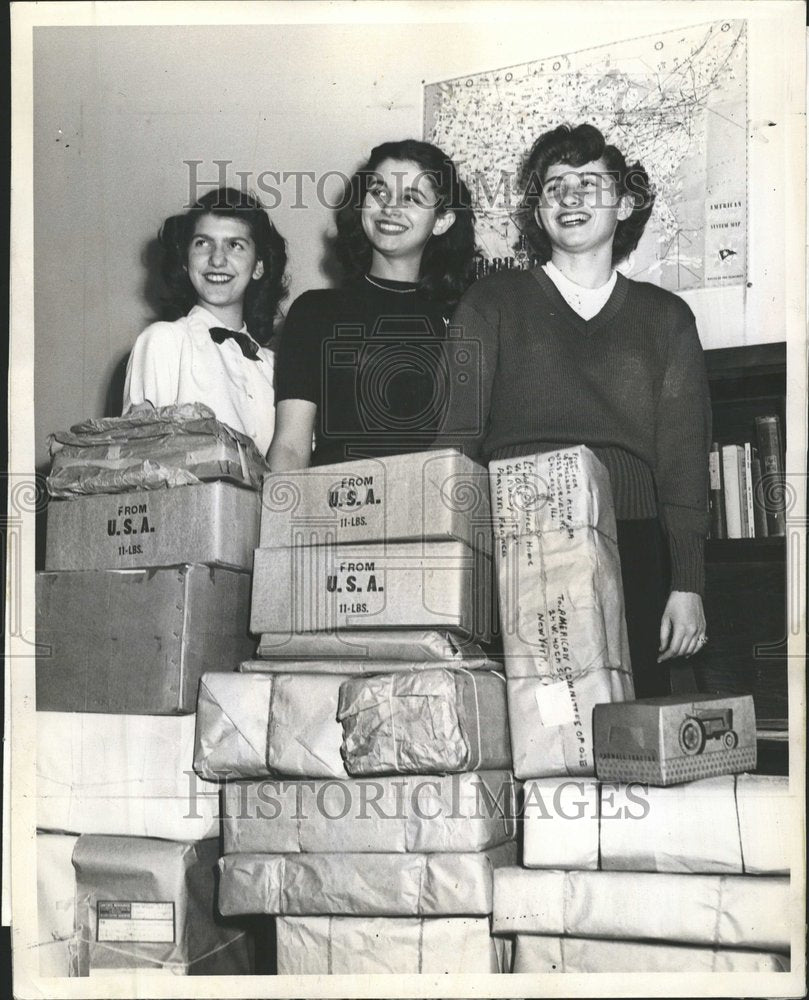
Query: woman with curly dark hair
365,366
600,360
223,266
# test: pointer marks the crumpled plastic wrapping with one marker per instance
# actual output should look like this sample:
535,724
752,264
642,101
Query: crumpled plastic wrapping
404,946
361,650
453,813
537,953
728,824
733,911
432,721
164,917
150,448
392,885
561,606
121,775
57,940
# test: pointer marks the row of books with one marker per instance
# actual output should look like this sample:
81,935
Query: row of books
747,490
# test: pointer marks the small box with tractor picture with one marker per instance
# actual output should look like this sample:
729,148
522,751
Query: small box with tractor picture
664,741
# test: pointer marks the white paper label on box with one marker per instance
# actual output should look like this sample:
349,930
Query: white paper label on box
135,921
555,704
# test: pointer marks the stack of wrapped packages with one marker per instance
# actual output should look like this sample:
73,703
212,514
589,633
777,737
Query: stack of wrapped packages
672,861
367,797
150,541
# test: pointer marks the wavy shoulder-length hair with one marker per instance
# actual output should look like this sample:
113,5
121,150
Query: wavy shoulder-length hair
576,146
263,295
447,262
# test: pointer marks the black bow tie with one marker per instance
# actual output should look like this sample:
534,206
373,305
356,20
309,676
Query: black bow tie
219,334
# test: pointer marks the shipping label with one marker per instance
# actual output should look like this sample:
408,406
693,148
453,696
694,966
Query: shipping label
130,521
151,922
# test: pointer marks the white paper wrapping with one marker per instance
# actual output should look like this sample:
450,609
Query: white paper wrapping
539,954
733,911
122,774
369,945
56,905
358,650
561,606
717,825
453,813
361,884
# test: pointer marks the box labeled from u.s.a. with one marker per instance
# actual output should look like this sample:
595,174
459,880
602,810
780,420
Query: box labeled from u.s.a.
214,523
423,496
408,585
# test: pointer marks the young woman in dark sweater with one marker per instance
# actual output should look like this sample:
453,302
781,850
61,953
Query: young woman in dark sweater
365,366
575,353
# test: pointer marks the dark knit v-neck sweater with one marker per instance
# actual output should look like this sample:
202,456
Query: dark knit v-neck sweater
629,383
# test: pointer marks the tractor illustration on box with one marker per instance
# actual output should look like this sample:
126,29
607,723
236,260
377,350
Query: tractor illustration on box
710,724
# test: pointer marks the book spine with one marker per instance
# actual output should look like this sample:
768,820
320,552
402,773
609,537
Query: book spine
747,484
733,499
759,511
716,496
771,455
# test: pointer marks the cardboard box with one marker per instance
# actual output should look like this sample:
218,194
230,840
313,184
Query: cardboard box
148,449
535,953
253,725
426,496
144,903
673,739
137,641
431,721
561,606
371,945
120,774
354,648
214,523
726,824
452,813
385,885
435,585
733,911
57,942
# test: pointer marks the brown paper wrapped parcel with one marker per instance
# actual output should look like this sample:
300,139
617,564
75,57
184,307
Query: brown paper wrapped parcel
57,941
424,496
385,885
254,725
137,641
376,945
320,588
561,606
450,813
537,953
740,825
148,904
724,911
212,523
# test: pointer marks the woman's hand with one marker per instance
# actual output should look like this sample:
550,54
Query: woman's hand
682,630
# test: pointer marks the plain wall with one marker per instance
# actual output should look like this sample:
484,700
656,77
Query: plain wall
117,111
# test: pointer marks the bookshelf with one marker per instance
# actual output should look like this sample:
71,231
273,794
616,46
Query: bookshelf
745,592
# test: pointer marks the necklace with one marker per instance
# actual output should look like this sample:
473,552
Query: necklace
386,288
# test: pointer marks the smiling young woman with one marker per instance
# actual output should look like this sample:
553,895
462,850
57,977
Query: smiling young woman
223,265
614,364
364,366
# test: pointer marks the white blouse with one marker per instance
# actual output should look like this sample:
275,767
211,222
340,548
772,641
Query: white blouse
587,302
179,363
